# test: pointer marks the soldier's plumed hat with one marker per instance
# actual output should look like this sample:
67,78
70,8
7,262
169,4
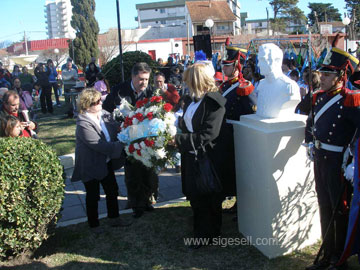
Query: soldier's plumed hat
337,60
233,54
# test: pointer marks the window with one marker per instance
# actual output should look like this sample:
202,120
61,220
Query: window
156,21
163,22
162,10
156,9
260,24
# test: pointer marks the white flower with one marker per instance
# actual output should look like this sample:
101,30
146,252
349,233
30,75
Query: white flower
142,145
172,130
161,153
136,146
169,118
159,142
131,114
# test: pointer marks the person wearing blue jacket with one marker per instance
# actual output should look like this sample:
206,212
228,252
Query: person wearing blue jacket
53,80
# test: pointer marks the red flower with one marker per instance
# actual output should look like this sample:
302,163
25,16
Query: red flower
168,107
156,99
145,100
138,152
128,122
139,117
149,143
150,115
131,148
139,104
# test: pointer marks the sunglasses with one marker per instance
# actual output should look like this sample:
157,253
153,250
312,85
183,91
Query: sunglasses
96,102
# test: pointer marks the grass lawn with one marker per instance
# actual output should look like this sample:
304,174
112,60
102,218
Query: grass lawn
155,242
57,131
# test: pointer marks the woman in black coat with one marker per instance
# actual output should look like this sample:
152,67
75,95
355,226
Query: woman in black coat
203,119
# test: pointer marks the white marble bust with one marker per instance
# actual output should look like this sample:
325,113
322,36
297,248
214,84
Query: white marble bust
278,95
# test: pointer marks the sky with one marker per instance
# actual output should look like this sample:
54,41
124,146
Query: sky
28,15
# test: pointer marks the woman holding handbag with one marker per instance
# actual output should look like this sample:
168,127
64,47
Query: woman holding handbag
200,127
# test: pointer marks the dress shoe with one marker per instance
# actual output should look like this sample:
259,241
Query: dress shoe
343,266
321,264
138,213
117,222
149,208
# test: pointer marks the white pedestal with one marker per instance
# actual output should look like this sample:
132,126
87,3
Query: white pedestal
276,198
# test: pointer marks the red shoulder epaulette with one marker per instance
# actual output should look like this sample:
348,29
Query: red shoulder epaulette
314,95
245,89
352,98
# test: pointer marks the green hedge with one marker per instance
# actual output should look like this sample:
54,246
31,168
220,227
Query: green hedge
112,69
31,194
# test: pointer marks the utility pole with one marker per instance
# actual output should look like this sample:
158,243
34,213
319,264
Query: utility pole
26,46
317,21
188,34
120,46
267,22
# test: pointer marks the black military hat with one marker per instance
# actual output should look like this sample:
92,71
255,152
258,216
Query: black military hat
234,53
337,60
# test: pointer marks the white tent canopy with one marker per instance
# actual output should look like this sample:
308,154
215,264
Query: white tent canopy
23,59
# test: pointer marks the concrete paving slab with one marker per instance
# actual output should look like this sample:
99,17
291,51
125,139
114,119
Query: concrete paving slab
73,212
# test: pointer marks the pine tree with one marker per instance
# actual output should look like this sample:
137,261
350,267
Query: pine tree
324,12
87,29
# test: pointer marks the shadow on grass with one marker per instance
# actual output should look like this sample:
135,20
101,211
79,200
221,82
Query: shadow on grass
155,241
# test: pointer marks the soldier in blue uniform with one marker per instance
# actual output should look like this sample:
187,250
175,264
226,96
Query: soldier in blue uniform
329,130
237,92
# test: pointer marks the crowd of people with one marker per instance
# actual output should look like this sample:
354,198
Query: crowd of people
203,97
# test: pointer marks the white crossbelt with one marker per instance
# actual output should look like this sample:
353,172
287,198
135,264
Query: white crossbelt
327,106
230,89
328,147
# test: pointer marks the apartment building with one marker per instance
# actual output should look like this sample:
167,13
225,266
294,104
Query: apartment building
58,15
175,13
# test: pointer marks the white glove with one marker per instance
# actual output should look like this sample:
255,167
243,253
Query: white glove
309,150
349,172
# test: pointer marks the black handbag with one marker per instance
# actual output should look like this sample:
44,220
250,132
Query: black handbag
206,178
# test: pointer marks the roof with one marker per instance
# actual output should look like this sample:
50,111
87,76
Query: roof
255,21
334,24
219,11
164,4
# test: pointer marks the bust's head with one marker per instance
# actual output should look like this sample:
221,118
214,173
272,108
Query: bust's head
270,59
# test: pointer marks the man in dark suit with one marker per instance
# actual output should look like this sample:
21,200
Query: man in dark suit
330,128
139,179
237,92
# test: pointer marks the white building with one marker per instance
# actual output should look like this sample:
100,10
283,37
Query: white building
58,15
235,8
172,13
161,13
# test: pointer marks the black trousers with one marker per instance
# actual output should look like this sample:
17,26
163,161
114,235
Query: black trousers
93,196
45,99
207,212
328,185
140,183
54,85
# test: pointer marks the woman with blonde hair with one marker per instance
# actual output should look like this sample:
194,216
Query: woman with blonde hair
97,155
200,127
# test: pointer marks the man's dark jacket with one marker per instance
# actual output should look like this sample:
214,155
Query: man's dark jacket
124,90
